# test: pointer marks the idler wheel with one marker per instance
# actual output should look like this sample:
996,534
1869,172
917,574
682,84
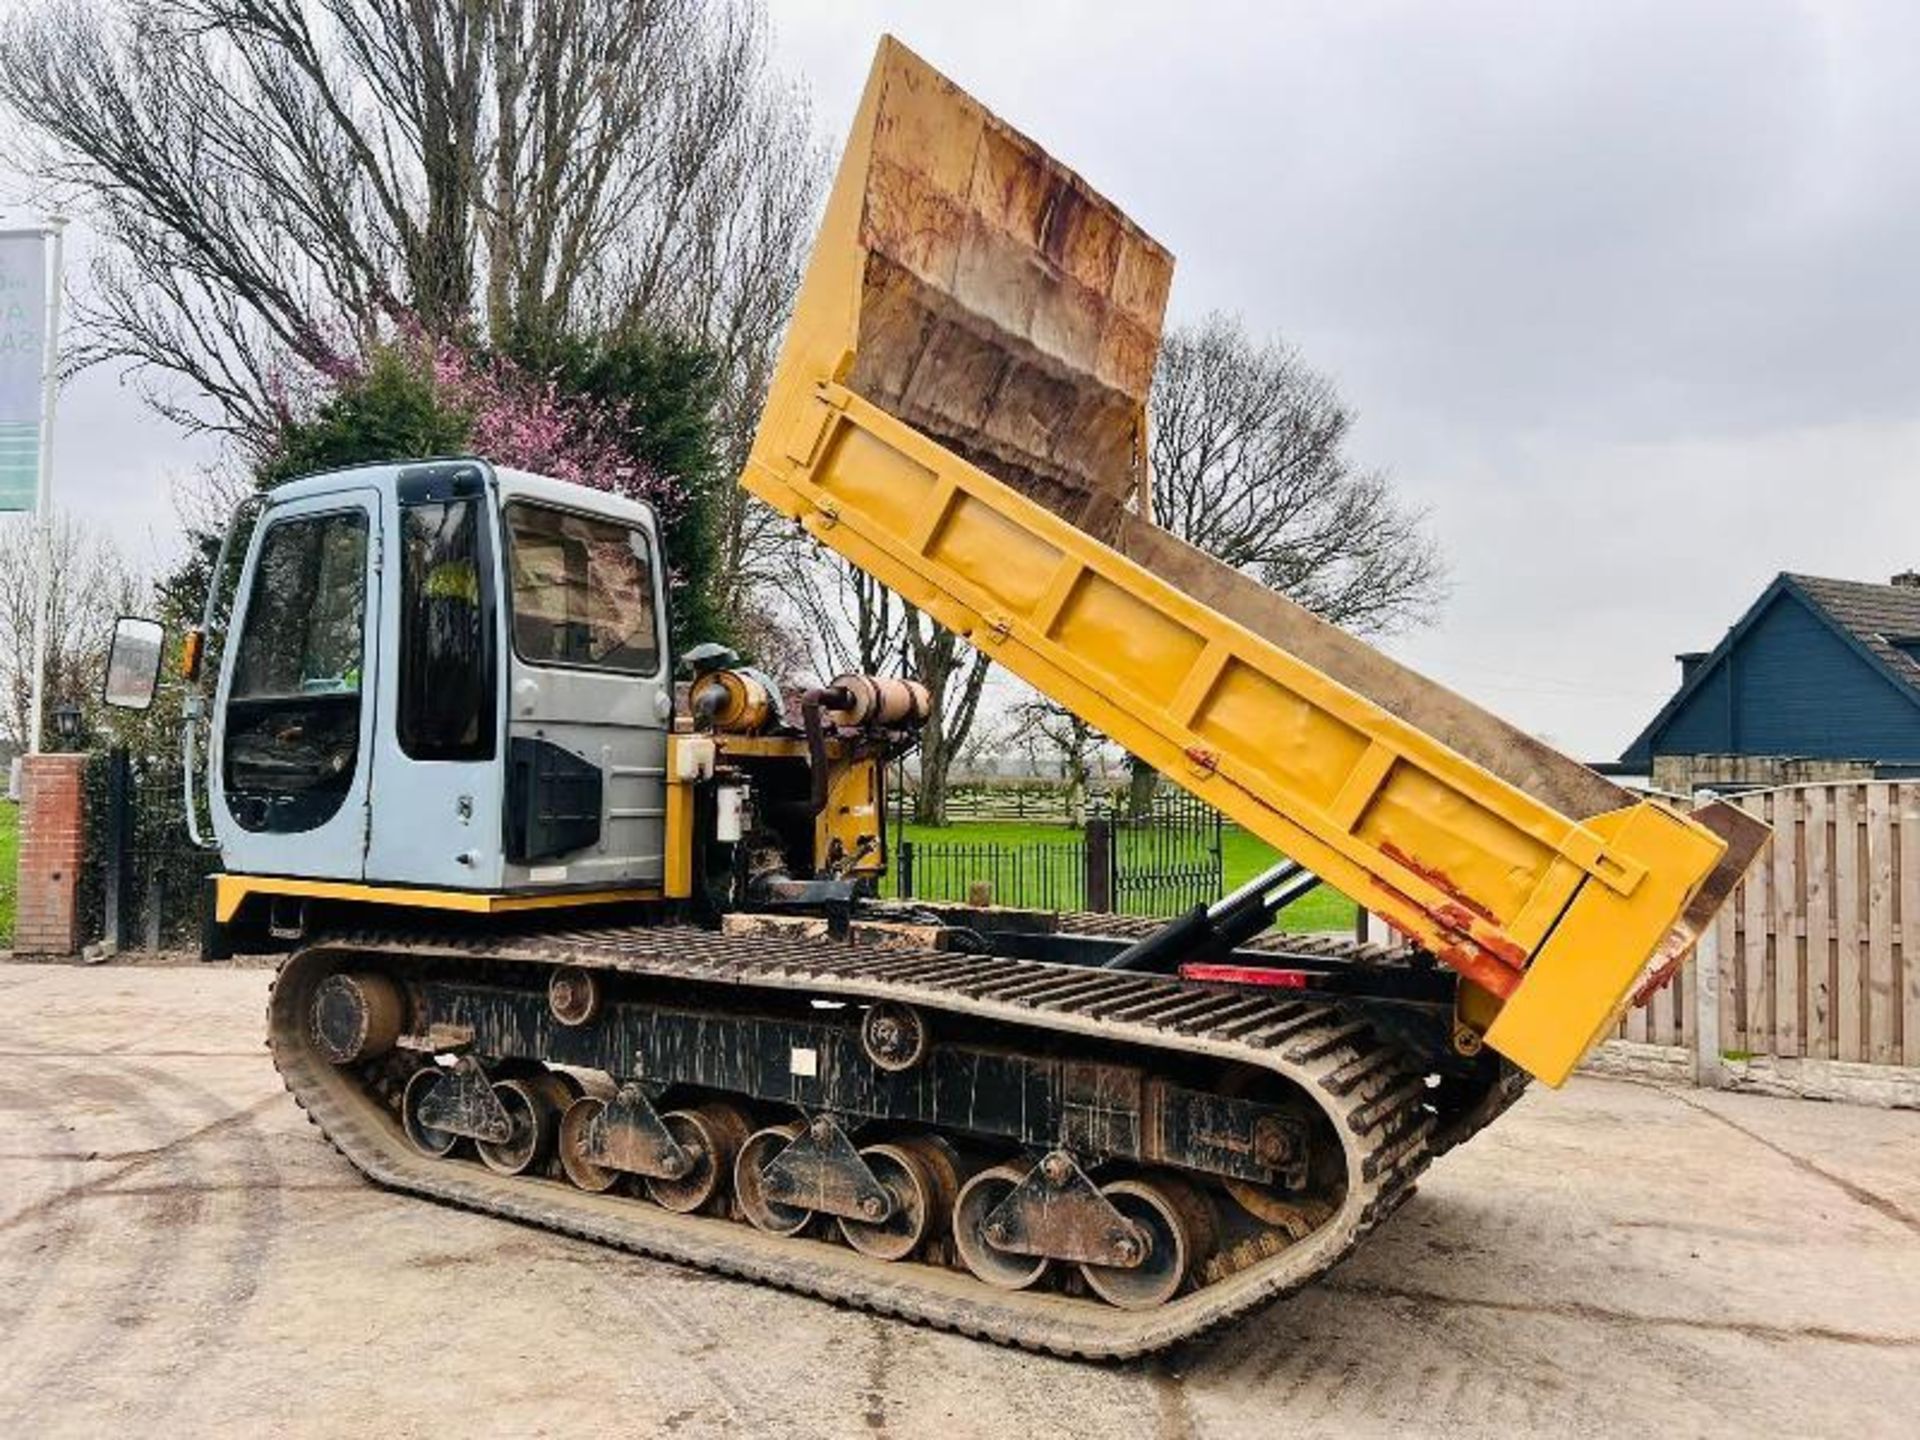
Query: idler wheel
979,1198
1163,1213
711,1135
573,1130
426,1139
916,1205
531,1111
355,1016
749,1183
894,1036
573,994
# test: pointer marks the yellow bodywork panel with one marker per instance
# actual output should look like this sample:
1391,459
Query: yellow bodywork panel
232,891
847,834
678,879
1584,974
958,412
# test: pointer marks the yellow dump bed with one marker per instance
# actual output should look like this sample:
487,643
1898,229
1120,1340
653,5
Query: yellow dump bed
959,410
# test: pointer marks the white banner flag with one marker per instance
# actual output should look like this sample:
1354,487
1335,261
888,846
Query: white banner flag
23,362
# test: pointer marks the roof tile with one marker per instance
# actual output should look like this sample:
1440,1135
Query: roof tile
1876,615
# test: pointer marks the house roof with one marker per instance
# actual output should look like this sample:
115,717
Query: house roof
1874,615
1871,619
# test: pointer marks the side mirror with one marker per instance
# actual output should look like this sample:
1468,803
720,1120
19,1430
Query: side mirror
133,664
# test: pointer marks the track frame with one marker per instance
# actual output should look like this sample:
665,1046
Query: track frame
1375,1097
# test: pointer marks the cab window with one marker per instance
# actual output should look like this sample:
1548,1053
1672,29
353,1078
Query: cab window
582,591
447,699
293,708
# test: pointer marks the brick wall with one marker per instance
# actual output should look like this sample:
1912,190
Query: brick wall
52,838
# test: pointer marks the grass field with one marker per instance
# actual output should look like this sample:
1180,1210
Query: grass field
9,866
1243,856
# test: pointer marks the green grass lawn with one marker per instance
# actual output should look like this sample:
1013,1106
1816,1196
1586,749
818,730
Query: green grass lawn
1243,856
9,866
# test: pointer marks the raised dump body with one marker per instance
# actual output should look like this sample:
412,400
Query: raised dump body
960,411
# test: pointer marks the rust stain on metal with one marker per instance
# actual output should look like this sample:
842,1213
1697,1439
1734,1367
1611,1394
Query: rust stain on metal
1439,879
1487,973
1492,962
1495,943
1666,965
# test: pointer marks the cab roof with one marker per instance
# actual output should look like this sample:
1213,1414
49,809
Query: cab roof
507,482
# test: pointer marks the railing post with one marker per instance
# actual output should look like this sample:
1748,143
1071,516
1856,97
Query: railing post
1099,865
906,869
119,839
1707,1068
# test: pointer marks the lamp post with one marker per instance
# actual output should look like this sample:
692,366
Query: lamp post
56,228
66,724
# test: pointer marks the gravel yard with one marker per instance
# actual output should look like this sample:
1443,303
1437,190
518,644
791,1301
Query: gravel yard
181,1253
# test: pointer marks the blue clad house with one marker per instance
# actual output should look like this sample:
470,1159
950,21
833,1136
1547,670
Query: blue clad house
1819,680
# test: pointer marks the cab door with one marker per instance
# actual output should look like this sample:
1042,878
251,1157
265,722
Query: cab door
437,771
589,693
289,762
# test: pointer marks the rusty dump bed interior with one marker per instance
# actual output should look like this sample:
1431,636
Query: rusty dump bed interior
960,410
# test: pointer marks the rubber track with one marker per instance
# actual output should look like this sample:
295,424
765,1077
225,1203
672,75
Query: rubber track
1374,1097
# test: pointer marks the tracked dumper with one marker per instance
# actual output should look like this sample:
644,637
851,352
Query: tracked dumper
574,949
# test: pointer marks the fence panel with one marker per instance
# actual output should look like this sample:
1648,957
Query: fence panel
1037,875
162,893
1161,862
1169,858
1820,944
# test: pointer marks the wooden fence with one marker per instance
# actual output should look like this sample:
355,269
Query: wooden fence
1819,950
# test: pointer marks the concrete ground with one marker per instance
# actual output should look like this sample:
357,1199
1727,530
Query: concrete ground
181,1253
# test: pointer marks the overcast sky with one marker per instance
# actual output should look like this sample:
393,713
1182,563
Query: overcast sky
1624,294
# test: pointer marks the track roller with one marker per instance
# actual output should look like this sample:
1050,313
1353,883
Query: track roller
1179,1231
979,1198
919,1206
533,1108
573,1160
573,995
749,1185
894,1036
712,1135
427,1139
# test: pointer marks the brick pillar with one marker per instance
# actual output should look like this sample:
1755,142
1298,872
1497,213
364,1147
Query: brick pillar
52,838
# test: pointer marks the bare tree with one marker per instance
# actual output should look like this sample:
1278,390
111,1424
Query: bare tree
1049,731
282,181
1250,463
92,584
